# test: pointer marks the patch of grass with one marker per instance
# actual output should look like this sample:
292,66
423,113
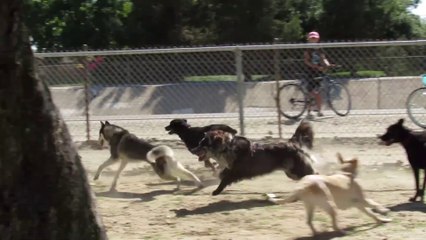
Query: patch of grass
220,78
361,74
367,73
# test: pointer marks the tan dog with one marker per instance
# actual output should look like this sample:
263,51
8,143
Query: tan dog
340,190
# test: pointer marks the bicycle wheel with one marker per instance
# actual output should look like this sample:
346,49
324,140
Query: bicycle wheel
292,100
339,99
416,106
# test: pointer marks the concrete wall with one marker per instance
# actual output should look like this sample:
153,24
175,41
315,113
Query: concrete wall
375,93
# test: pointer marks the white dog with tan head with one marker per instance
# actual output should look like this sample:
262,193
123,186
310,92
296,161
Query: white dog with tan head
340,190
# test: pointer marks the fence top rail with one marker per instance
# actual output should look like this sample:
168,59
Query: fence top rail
277,46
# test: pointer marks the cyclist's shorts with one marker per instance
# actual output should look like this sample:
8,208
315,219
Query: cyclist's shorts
312,82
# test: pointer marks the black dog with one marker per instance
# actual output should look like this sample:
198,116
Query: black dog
414,145
192,136
246,160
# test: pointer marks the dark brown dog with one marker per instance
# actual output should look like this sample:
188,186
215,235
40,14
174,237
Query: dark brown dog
191,136
415,147
246,160
304,135
225,146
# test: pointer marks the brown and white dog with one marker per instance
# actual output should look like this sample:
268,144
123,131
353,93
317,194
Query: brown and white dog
243,159
340,190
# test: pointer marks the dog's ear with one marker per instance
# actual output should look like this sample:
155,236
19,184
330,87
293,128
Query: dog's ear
102,123
400,121
340,158
354,163
107,123
186,121
350,166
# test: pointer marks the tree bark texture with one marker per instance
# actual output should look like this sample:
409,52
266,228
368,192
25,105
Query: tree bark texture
44,191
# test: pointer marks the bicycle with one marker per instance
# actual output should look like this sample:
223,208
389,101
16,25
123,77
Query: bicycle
416,105
295,99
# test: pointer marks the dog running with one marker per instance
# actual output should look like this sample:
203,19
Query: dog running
126,147
340,190
192,136
304,135
245,160
414,144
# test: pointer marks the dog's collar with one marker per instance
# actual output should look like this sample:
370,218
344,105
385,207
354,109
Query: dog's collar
350,175
256,146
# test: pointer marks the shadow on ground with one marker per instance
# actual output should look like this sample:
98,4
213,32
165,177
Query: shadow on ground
334,234
222,206
409,206
145,197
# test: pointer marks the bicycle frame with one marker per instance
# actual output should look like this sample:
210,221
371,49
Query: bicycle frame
332,91
325,82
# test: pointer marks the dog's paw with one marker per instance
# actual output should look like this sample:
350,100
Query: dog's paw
270,197
385,220
381,210
215,192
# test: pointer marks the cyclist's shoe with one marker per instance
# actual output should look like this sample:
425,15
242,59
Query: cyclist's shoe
320,114
309,116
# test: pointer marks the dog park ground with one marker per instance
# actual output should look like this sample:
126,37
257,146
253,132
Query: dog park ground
146,207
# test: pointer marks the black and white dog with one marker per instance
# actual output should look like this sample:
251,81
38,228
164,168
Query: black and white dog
126,147
192,136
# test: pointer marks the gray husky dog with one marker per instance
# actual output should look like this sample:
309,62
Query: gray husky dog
126,147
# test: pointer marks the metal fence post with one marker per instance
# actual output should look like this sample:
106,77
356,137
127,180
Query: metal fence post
87,93
379,92
277,77
240,87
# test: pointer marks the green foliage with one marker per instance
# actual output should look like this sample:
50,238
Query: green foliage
359,74
220,78
364,19
68,24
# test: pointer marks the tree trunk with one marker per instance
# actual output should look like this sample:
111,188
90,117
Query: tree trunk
44,192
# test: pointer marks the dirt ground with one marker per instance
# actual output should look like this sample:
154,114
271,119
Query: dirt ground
146,207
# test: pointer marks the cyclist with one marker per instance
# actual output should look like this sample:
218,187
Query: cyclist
316,63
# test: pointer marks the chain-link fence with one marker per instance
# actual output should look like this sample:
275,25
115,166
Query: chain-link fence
144,89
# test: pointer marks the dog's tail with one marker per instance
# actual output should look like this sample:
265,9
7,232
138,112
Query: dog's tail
294,197
163,158
307,191
157,158
158,152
